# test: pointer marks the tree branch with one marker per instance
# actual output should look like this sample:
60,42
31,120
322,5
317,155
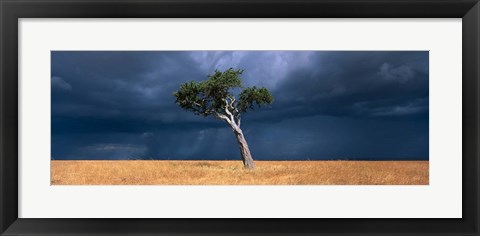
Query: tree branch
232,119
234,114
222,117
197,104
232,105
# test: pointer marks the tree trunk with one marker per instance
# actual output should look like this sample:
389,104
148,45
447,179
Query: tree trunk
244,150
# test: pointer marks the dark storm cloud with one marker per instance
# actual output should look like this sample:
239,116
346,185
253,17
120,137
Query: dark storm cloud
356,84
328,105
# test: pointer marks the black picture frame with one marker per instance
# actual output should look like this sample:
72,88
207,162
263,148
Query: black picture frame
12,10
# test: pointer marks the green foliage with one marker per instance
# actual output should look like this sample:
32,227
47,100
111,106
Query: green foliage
253,96
190,97
215,95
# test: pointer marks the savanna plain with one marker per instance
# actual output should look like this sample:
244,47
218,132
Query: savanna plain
156,172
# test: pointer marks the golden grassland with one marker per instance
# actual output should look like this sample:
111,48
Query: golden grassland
152,172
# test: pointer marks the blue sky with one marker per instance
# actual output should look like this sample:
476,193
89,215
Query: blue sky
328,105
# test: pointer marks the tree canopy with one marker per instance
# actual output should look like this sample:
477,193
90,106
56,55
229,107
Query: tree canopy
216,96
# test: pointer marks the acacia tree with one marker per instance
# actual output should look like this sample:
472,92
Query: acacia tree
218,96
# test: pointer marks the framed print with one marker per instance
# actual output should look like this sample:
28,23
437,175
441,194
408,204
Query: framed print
239,117
284,111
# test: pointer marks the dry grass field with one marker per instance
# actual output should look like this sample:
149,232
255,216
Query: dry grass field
232,173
